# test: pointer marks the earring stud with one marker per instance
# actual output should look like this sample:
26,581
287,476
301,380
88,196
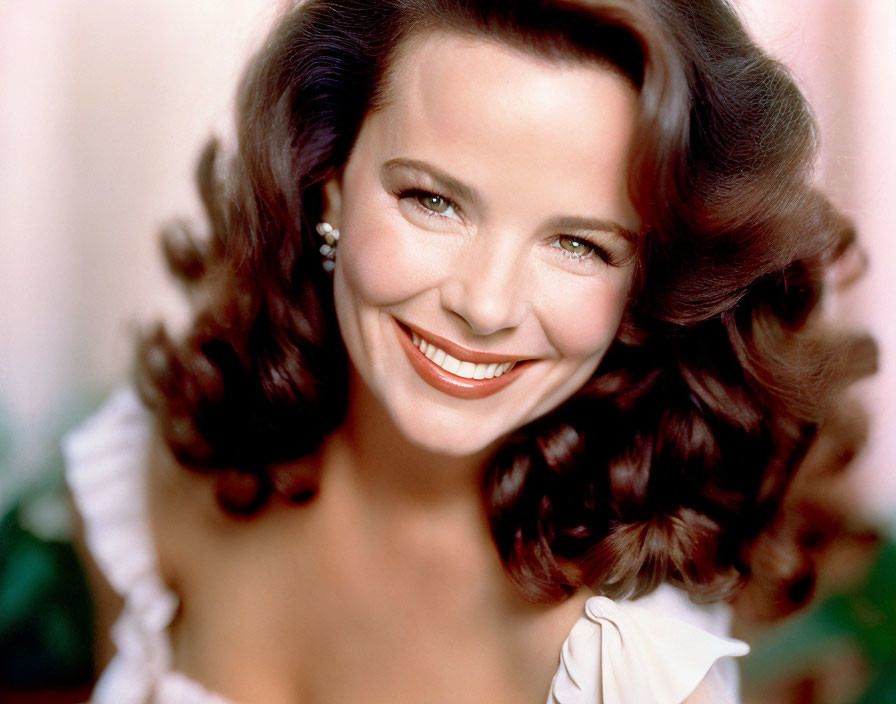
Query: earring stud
327,250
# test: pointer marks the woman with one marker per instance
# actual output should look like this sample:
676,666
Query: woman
504,319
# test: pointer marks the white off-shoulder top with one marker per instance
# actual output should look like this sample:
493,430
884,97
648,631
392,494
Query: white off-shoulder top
655,650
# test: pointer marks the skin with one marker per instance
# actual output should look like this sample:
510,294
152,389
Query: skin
507,266
387,587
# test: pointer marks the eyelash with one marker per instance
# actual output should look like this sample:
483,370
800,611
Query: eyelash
595,249
417,194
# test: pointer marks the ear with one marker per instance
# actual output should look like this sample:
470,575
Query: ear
332,194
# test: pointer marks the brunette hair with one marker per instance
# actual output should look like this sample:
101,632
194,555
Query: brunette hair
672,463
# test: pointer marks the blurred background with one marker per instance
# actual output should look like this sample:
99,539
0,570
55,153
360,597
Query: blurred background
103,110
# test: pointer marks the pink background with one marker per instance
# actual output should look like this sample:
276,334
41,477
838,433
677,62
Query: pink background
105,106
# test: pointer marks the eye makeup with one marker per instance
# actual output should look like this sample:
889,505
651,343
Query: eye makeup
430,196
413,174
429,204
594,250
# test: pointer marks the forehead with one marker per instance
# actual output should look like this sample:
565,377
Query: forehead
436,53
484,110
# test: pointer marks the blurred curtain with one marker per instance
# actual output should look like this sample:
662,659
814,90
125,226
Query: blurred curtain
105,106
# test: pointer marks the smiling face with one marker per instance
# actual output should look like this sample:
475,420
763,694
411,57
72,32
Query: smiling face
485,255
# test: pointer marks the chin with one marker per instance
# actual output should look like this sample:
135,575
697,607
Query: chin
439,436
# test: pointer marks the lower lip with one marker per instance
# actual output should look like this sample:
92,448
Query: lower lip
448,383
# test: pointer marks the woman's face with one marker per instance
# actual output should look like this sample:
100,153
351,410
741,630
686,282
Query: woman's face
486,246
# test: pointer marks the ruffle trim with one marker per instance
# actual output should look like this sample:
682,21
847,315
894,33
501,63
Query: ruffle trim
623,653
106,459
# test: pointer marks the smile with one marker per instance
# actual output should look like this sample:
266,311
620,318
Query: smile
454,370
452,365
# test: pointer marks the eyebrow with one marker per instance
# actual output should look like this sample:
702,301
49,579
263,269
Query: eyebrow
572,223
461,191
456,189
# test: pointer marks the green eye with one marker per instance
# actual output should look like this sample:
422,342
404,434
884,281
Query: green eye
577,248
435,203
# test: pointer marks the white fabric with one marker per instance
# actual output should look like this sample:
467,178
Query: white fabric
105,459
655,650
627,653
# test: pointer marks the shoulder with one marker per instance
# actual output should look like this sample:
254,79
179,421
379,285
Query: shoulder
106,459
181,510
197,542
141,512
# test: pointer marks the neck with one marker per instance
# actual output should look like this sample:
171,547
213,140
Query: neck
380,461
423,509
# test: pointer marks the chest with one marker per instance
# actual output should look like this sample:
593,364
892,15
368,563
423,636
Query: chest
325,617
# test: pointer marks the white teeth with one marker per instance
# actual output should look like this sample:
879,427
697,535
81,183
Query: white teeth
450,364
467,370
504,368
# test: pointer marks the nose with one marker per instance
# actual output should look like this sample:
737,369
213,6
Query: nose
488,287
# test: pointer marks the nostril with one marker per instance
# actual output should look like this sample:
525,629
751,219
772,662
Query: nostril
487,287
486,313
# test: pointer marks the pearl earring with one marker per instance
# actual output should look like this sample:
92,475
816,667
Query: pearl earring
328,248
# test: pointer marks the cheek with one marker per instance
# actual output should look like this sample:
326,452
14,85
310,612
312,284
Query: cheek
582,320
386,261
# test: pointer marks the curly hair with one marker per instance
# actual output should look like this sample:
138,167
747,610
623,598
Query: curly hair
673,462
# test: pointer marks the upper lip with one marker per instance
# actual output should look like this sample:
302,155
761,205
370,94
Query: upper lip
459,352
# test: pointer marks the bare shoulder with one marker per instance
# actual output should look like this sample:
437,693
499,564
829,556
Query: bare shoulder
195,539
183,512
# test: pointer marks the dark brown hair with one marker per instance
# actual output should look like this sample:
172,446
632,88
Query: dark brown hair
672,463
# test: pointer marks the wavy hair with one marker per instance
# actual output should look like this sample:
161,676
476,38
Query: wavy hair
674,461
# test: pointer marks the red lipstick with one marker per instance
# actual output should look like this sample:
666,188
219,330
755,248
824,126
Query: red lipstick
449,383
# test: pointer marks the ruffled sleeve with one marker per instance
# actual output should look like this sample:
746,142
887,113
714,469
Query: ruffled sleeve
105,461
655,652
